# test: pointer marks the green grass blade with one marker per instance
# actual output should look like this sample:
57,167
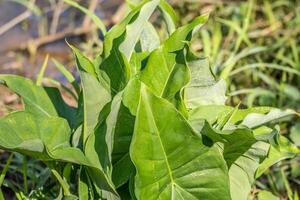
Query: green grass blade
265,65
70,78
5,169
42,71
92,15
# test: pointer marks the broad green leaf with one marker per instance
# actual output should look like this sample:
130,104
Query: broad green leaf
119,29
242,171
48,139
83,63
122,171
169,156
159,67
33,135
295,134
120,42
165,72
240,146
96,93
149,38
243,113
255,119
116,68
137,62
102,184
284,149
111,141
84,187
120,127
173,75
169,16
183,34
134,29
210,113
97,146
131,96
203,88
35,98
266,195
63,109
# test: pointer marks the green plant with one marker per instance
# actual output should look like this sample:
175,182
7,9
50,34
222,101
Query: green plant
151,121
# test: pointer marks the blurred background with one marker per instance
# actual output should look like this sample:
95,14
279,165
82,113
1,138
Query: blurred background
253,44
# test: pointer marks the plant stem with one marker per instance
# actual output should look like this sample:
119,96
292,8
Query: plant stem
62,182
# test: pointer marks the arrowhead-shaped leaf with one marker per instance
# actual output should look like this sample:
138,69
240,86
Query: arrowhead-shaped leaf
35,97
172,162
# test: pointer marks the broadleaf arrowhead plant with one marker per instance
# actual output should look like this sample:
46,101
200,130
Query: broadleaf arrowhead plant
151,121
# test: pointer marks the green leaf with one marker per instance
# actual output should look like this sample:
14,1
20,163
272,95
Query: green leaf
119,29
34,97
135,28
284,149
84,186
149,38
120,42
131,96
120,127
242,172
169,157
240,146
48,139
295,134
122,171
210,113
166,72
183,34
169,16
255,119
33,135
266,195
203,88
83,63
96,93
67,74
63,109
116,68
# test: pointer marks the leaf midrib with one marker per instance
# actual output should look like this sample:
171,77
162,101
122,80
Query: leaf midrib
29,100
160,141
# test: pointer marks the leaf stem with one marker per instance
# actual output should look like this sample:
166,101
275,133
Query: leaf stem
62,182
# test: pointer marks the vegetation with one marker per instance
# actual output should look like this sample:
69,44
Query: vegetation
150,121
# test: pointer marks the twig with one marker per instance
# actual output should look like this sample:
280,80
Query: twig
12,23
55,18
53,37
15,21
92,7
119,14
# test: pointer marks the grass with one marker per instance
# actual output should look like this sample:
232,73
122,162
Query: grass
255,46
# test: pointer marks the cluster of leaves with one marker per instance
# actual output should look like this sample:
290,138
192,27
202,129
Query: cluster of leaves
151,121
254,46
